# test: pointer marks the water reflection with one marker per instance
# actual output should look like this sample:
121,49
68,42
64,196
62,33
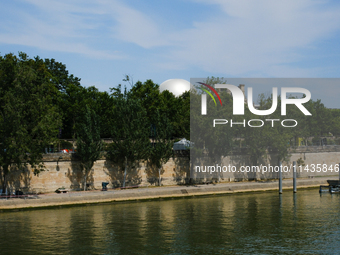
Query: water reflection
262,223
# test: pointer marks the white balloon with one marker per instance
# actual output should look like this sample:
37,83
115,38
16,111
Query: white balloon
175,86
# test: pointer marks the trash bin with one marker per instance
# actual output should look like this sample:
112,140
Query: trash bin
104,186
19,193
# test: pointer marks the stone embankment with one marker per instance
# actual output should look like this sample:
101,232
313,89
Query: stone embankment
146,193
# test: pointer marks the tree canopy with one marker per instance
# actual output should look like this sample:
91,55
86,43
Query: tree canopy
40,101
129,133
29,117
89,143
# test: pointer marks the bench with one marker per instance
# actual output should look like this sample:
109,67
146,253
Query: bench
62,190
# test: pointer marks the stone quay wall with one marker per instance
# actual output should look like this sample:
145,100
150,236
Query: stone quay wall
66,173
314,160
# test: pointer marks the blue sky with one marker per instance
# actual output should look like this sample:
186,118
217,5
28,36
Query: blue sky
101,41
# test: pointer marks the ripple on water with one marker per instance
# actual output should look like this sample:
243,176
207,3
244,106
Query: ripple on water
258,223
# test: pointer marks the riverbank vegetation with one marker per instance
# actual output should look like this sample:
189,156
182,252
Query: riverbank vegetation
42,104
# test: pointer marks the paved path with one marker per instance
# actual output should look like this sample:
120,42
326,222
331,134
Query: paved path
147,193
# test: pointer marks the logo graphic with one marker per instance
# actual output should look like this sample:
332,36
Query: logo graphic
204,96
238,99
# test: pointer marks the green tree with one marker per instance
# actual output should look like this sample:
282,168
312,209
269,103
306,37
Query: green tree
60,76
176,108
258,140
73,97
335,122
182,123
89,143
102,104
164,114
271,137
130,131
70,95
72,103
211,143
29,118
160,150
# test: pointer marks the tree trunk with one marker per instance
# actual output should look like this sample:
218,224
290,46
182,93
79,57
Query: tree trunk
4,186
4,182
191,173
85,177
125,172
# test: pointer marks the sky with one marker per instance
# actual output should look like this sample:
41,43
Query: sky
102,41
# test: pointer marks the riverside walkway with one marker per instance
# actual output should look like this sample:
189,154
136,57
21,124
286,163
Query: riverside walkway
148,193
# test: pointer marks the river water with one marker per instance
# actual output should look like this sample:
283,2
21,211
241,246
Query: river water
256,223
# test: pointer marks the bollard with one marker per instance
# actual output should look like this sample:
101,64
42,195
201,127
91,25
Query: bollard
280,178
294,177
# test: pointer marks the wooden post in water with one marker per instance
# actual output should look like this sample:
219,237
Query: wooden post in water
294,177
280,177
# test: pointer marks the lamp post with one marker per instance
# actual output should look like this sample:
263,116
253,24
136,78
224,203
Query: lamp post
280,178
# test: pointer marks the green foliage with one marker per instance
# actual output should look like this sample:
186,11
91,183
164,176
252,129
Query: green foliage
214,142
167,117
60,76
74,99
177,109
130,131
65,144
29,120
334,124
300,162
38,97
210,141
270,137
160,151
181,125
89,144
215,80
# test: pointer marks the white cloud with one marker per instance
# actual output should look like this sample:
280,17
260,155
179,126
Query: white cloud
135,27
261,37
68,26
258,38
62,26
